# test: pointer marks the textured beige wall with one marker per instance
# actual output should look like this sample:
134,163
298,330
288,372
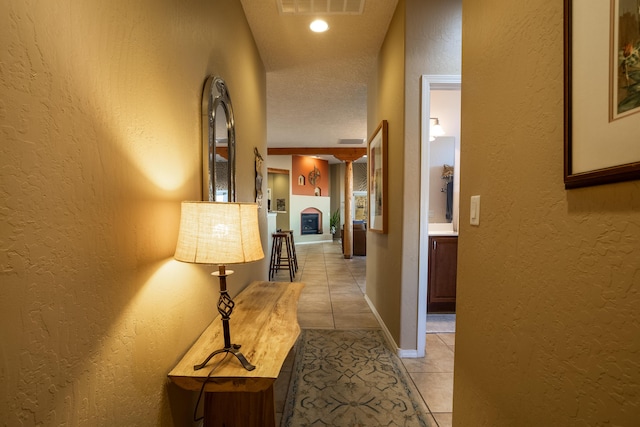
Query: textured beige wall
423,38
384,251
433,46
100,127
548,326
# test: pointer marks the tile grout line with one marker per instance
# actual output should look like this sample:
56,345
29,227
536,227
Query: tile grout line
324,260
422,397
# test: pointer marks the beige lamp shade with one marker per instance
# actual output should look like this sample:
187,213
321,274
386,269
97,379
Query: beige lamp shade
219,233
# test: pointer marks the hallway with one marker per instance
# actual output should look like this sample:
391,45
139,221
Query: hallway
333,298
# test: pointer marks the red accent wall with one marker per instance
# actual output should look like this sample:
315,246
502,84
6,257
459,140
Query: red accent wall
301,169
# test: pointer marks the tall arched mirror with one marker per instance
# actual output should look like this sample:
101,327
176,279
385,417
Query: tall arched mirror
218,143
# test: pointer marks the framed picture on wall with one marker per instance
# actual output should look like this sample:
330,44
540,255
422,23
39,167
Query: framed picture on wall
360,206
602,92
377,159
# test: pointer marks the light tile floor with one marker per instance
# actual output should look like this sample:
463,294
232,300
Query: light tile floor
333,297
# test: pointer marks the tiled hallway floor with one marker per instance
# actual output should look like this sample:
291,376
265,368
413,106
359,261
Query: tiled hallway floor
333,298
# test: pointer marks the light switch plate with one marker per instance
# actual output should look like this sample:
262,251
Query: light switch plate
474,218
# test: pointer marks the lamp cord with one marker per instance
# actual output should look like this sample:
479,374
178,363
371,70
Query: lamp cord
195,410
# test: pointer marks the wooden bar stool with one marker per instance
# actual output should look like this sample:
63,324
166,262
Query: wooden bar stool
278,262
293,249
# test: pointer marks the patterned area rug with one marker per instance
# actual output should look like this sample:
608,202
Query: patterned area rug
350,378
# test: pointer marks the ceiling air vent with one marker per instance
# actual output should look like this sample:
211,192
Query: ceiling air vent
350,141
318,7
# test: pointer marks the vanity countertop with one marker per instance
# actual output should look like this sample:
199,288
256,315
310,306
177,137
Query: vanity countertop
441,229
443,233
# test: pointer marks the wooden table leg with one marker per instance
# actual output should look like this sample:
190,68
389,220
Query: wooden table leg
240,409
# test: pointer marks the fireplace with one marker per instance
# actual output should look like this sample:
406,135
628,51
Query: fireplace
309,223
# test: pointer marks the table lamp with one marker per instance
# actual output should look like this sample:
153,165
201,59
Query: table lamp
220,233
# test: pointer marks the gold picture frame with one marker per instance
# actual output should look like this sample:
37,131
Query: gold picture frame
378,190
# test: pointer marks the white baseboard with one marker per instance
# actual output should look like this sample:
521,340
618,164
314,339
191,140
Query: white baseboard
392,343
408,354
311,242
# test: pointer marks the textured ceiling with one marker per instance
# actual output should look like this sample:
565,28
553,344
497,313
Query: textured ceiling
317,83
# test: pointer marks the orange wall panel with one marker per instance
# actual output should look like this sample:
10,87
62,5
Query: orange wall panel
304,169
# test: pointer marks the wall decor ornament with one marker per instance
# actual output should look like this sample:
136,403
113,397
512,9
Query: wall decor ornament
377,158
601,92
314,176
259,163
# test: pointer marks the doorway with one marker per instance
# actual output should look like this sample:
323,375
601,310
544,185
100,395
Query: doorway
278,196
431,83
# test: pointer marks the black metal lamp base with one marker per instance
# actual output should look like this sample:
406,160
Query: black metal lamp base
225,307
235,350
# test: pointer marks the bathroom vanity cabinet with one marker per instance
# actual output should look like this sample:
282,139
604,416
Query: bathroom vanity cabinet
443,261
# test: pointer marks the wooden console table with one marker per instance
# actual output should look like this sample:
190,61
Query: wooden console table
264,321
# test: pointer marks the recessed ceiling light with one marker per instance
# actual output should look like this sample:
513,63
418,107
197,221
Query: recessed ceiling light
319,26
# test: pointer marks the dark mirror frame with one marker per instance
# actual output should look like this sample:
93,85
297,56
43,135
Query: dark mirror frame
215,94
